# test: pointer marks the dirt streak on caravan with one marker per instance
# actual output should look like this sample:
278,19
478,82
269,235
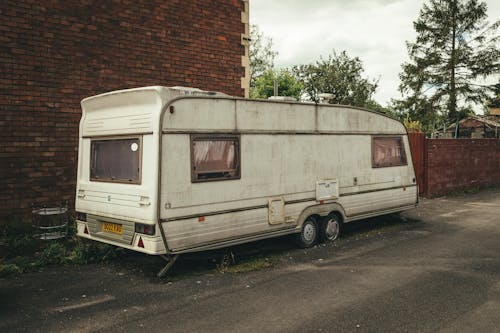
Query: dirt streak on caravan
174,170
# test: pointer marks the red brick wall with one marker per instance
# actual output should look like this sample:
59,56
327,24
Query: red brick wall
455,164
54,53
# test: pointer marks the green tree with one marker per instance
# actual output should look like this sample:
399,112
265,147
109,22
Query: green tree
287,84
374,105
494,101
455,46
338,75
261,54
417,108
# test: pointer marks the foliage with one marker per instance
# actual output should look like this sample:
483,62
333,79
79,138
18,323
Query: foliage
7,270
254,264
412,125
17,239
86,252
373,105
287,84
338,75
17,245
21,252
494,101
54,254
455,46
417,108
261,54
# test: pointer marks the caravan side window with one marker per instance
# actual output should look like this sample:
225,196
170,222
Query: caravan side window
215,157
388,151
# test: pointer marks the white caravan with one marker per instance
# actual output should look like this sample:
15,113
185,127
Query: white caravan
167,171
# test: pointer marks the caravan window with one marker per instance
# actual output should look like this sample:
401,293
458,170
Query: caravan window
388,151
116,160
215,157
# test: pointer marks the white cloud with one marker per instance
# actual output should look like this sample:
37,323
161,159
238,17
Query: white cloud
373,30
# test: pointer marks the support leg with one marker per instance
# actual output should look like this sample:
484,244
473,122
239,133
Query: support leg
170,262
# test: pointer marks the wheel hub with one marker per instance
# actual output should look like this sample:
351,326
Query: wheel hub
309,232
332,229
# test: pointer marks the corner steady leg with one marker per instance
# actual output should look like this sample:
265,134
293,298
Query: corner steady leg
170,259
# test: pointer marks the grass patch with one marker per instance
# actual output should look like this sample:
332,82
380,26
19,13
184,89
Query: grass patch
255,264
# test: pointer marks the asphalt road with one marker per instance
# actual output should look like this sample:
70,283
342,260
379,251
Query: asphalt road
432,269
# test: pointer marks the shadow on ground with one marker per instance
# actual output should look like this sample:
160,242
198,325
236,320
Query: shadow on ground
200,263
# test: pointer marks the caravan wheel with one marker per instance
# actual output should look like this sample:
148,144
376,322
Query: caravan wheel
331,227
309,233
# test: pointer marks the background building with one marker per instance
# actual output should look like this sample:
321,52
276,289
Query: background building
473,127
53,54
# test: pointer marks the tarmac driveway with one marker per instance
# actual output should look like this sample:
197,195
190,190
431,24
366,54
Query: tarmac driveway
434,268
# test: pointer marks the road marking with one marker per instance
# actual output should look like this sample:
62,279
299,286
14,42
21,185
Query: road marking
482,204
103,299
452,214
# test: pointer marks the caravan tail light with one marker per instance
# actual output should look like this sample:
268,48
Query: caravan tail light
81,216
140,243
146,229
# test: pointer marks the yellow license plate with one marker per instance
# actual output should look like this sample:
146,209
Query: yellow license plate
112,227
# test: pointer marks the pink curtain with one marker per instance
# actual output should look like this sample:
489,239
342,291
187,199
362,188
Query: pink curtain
214,155
388,152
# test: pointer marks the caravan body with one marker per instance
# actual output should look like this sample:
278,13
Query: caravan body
174,170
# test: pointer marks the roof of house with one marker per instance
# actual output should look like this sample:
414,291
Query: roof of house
477,121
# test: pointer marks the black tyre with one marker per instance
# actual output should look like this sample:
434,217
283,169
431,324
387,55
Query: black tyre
331,227
309,233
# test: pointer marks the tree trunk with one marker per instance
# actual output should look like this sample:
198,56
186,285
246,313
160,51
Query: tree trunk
452,107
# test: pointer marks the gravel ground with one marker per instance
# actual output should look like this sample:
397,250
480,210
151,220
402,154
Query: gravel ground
433,268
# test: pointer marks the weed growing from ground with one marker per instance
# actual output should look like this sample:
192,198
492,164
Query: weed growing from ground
21,251
53,254
251,265
7,270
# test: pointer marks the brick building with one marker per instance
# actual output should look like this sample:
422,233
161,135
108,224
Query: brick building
53,54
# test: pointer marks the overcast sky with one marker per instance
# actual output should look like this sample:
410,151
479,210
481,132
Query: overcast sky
373,30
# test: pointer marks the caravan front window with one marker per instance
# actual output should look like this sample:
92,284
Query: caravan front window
116,160
388,151
215,157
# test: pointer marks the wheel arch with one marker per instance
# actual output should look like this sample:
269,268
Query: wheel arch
321,210
339,214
